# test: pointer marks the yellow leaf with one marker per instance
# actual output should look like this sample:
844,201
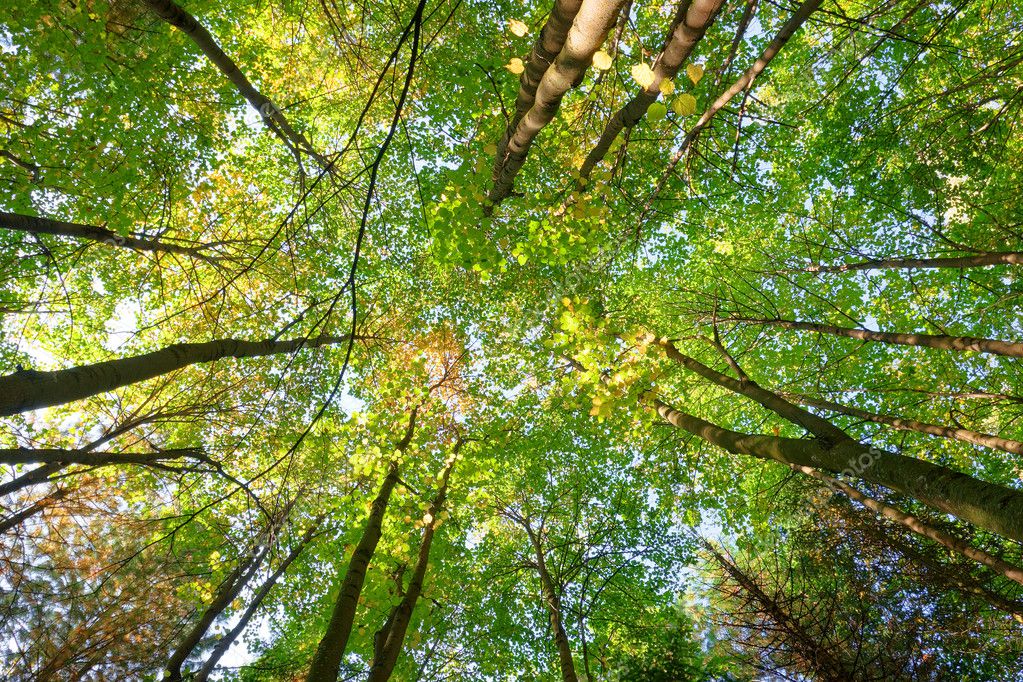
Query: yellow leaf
602,60
515,66
490,149
517,27
656,111
684,104
643,75
695,72
667,87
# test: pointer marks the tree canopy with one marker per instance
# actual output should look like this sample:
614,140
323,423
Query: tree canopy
488,340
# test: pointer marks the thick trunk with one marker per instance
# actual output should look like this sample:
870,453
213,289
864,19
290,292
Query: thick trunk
902,424
393,635
914,524
64,457
93,233
331,649
553,601
545,50
939,341
982,260
693,20
29,389
228,639
993,507
819,427
589,30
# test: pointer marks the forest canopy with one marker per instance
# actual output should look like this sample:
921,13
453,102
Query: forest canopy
489,340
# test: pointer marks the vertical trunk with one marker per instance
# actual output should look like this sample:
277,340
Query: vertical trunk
257,599
553,601
993,507
393,634
331,649
545,50
922,529
29,389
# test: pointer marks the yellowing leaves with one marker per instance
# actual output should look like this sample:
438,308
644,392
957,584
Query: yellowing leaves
643,75
695,73
602,60
517,27
667,87
515,66
684,105
657,111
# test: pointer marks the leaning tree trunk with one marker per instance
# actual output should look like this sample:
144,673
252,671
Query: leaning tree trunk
102,235
815,655
939,341
29,389
331,649
273,117
392,637
918,526
987,505
693,19
225,642
228,591
903,424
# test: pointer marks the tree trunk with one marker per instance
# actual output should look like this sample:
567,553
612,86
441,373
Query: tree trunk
36,225
692,21
229,589
545,50
553,601
818,426
589,30
331,649
224,643
29,389
957,262
64,457
903,424
34,477
273,117
825,665
914,524
397,624
18,518
993,507
742,83
940,341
